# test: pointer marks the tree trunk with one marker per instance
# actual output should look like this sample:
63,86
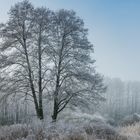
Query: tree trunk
55,110
56,106
30,78
40,77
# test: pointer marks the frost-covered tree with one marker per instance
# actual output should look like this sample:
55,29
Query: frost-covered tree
24,38
73,74
47,53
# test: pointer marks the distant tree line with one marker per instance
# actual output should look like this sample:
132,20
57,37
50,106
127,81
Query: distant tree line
123,98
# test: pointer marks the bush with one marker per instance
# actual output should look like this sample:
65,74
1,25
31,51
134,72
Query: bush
131,119
61,131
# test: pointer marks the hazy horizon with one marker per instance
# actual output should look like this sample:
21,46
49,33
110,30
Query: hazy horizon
114,30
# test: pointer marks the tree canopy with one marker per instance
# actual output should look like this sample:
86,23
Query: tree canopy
46,53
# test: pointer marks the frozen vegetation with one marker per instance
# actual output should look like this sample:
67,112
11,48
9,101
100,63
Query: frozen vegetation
81,128
74,127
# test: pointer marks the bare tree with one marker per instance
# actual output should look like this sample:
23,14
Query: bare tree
73,75
24,39
44,51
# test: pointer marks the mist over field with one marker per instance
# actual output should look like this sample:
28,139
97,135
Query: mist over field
69,70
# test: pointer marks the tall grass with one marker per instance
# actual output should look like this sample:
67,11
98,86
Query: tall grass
131,131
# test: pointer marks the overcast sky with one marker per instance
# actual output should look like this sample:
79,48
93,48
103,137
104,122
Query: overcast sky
114,29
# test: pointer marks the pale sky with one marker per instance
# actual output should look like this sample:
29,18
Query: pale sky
114,30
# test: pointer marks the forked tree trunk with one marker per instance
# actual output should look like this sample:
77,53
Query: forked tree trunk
39,110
